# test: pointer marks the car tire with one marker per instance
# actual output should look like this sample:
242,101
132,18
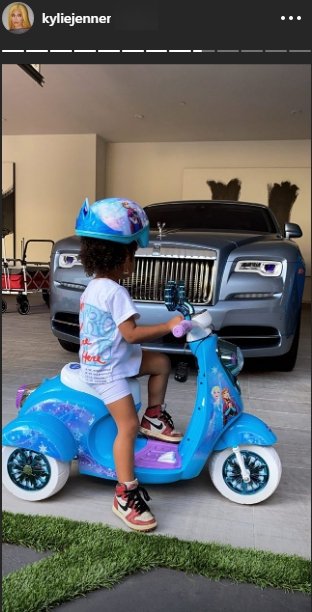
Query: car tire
287,362
31,475
46,297
265,470
72,347
282,363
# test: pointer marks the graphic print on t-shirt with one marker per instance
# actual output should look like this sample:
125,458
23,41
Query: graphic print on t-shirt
97,330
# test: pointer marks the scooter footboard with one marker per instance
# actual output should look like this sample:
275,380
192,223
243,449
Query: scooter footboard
246,429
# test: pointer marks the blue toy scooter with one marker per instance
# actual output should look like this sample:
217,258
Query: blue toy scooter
64,419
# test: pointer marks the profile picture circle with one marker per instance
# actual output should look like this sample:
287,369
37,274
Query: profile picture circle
18,18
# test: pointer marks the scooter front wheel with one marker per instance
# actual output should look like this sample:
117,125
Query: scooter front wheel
264,468
31,475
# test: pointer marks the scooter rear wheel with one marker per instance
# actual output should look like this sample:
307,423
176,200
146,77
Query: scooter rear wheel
265,469
31,475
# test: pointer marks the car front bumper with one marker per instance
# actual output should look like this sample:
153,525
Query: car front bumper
260,327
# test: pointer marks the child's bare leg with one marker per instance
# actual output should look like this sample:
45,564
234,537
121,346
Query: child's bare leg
125,416
158,367
156,422
128,504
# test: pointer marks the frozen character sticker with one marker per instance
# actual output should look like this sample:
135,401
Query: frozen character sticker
216,395
134,219
229,406
216,423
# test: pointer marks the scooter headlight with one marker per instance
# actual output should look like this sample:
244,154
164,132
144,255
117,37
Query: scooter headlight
231,357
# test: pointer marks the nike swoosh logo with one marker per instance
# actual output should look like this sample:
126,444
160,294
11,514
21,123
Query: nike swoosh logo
122,507
154,424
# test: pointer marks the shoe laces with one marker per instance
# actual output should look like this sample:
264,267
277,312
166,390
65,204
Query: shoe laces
134,499
167,418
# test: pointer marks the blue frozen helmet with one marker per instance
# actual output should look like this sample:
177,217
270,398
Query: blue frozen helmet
116,219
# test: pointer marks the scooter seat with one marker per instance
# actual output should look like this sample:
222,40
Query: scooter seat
70,376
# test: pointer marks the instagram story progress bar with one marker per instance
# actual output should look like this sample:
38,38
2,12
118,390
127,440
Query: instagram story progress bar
181,28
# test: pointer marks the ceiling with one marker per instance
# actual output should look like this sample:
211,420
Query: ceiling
160,103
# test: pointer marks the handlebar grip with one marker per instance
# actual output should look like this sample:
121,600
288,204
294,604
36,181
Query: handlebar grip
182,328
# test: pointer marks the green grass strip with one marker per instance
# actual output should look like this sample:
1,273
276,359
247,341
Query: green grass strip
88,556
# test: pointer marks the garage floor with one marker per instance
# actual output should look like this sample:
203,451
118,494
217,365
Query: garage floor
190,510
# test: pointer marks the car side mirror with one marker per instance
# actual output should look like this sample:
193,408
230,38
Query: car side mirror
292,230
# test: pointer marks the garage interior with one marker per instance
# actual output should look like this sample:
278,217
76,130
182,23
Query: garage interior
157,133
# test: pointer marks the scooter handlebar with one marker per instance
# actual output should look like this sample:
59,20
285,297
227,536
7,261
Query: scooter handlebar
182,328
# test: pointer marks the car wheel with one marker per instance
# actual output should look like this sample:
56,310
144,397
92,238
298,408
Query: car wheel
282,363
31,475
265,469
46,297
72,347
4,306
287,362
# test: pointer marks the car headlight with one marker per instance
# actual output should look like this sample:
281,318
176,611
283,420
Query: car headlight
265,268
69,260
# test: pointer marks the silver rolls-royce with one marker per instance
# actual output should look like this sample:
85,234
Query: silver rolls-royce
235,260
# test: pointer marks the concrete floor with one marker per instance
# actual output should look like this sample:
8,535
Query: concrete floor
189,510
174,590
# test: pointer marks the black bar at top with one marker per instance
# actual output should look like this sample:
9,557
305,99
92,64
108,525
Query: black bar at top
238,27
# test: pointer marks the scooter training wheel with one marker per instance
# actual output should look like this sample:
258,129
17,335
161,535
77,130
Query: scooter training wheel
264,467
31,475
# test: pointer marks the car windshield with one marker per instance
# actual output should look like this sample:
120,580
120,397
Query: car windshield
211,216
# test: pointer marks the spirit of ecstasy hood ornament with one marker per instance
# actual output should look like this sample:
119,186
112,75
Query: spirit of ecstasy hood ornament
157,245
160,229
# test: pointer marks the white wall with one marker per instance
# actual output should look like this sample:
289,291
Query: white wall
54,173
100,168
7,184
156,172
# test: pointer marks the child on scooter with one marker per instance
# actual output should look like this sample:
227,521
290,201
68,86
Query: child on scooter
110,350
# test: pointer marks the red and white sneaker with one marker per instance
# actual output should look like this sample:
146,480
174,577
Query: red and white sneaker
132,509
157,423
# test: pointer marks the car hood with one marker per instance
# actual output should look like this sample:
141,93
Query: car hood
215,240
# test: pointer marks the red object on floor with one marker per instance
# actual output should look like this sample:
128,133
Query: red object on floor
13,280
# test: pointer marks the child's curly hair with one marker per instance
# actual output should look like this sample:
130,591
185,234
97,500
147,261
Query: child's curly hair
102,256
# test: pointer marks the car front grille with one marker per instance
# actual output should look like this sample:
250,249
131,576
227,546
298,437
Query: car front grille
155,266
151,275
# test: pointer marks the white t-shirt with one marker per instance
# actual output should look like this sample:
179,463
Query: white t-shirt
104,354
